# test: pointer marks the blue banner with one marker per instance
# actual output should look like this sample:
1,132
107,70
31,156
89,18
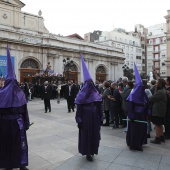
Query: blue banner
3,61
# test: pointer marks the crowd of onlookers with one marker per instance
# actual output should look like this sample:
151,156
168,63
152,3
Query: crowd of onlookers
115,105
114,95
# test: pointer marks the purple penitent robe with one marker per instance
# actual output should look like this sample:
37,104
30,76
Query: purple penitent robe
137,132
13,141
14,121
90,115
137,110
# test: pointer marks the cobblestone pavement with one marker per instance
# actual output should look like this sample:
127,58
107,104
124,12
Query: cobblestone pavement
53,144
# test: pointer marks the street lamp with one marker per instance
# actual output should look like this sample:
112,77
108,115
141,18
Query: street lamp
67,65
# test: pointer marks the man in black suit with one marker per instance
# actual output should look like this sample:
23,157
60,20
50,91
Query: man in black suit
46,95
70,92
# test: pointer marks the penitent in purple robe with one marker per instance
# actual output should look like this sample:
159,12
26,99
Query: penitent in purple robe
89,135
137,110
14,121
89,115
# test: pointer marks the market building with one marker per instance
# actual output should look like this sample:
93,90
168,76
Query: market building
32,47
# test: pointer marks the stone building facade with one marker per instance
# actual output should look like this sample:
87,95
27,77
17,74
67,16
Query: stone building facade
32,47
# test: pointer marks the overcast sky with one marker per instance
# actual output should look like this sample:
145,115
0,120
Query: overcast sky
67,17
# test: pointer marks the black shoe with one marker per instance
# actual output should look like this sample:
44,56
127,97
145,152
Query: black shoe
69,111
23,168
73,110
49,110
89,158
45,111
156,141
162,139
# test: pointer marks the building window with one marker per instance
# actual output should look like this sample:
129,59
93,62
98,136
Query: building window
131,56
163,63
138,57
127,55
118,45
115,38
127,48
150,42
101,69
123,47
131,48
30,63
157,64
138,50
143,61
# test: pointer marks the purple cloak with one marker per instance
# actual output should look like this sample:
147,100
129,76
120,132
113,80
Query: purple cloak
14,121
137,132
137,110
90,115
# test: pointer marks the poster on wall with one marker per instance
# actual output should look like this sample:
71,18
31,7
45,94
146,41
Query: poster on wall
3,62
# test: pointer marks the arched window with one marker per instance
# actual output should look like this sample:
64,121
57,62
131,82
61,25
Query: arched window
29,63
71,67
100,70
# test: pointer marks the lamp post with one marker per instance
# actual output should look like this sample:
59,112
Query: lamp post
67,65
128,72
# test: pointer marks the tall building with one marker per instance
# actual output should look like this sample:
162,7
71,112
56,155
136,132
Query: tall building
133,44
156,49
142,32
167,17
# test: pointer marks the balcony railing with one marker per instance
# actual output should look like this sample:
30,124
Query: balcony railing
156,51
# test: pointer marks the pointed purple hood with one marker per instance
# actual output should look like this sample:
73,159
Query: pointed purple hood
86,73
11,95
137,94
88,94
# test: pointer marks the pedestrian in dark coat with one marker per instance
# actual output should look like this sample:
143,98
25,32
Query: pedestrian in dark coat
159,108
88,116
46,96
14,121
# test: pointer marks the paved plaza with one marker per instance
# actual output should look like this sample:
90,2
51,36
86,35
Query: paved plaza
53,139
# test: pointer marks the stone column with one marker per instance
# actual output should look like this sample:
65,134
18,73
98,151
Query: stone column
167,17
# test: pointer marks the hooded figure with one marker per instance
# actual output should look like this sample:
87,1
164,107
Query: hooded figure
88,116
137,111
14,122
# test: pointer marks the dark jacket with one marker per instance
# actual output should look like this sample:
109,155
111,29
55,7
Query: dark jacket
125,103
106,101
46,93
153,89
114,105
159,100
73,91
